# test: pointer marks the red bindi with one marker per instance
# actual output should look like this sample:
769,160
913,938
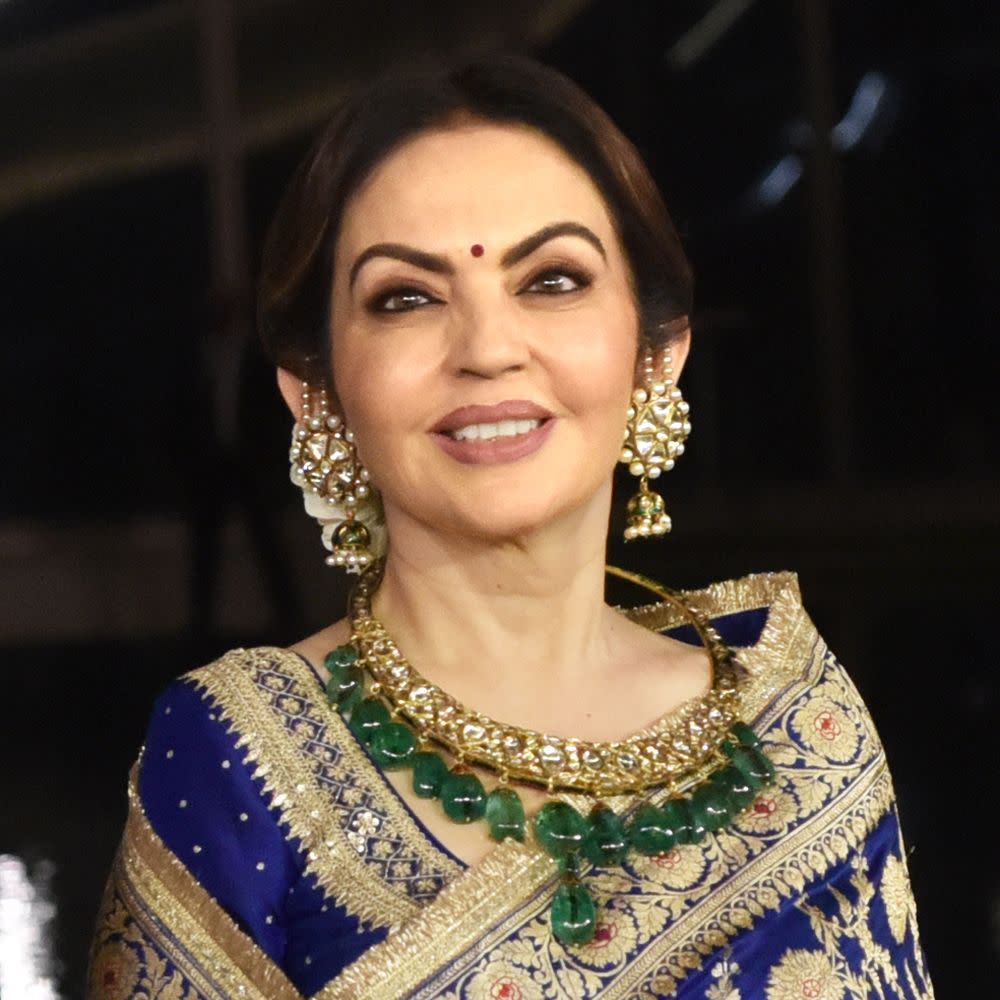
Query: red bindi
476,250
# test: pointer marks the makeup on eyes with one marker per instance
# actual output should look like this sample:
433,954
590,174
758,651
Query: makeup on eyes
412,297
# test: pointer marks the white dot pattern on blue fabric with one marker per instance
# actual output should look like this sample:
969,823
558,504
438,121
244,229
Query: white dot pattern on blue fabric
183,803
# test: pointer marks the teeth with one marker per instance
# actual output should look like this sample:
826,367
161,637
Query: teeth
486,432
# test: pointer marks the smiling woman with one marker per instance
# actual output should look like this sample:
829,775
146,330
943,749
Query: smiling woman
477,305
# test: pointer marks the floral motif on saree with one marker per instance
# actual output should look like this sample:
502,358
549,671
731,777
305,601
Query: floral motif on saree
806,895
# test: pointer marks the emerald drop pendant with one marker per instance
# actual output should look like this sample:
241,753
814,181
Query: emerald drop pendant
505,814
605,842
573,914
649,832
463,797
560,829
745,735
677,819
393,745
342,656
369,715
709,807
345,687
429,772
752,764
741,792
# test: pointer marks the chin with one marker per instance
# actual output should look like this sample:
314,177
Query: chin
515,517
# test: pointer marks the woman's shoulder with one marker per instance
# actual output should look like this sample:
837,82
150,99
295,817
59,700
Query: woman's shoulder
761,615
787,663
246,661
267,691
778,592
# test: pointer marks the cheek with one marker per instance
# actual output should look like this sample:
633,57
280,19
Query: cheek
599,366
380,396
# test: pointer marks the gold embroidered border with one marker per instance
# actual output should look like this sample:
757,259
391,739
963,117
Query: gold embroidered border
302,804
775,660
463,915
221,961
787,659
762,885
757,590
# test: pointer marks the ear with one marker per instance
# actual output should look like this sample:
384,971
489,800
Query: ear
290,387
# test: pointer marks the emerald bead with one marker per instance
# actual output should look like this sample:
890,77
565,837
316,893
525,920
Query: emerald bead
745,735
710,807
393,745
605,842
463,797
648,833
560,829
764,765
574,916
741,792
429,772
677,819
697,826
369,715
753,765
345,687
505,814
342,656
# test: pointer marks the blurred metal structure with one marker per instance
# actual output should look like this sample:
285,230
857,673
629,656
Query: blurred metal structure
121,96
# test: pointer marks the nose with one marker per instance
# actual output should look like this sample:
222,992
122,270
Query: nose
487,339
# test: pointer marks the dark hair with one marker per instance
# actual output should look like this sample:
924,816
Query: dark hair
296,272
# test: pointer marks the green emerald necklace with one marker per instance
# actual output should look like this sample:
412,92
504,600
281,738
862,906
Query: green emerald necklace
711,763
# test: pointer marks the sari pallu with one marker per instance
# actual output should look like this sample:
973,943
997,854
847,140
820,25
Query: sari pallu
265,856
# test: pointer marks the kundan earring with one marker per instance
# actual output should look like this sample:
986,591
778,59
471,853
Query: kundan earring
334,484
654,438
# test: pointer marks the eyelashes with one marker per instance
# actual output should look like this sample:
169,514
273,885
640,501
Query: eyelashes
405,298
549,281
554,280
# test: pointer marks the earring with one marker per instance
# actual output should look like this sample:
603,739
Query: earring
655,430
334,484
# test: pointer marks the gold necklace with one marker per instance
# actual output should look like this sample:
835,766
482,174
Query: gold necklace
672,753
702,750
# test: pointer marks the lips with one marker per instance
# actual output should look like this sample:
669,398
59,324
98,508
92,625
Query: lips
511,409
503,432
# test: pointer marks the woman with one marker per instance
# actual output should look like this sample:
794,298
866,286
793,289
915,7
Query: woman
471,287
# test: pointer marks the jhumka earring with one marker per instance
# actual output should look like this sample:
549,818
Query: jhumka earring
654,438
334,483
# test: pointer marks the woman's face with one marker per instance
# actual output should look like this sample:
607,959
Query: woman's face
484,333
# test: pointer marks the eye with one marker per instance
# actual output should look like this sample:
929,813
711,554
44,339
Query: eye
557,281
397,300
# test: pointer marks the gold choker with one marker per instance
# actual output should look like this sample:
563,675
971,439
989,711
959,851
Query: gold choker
674,752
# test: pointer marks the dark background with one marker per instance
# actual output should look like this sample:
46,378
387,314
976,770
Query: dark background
832,166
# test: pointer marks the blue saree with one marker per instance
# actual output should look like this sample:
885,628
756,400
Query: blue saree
265,856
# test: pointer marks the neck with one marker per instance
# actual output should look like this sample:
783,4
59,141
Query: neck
529,610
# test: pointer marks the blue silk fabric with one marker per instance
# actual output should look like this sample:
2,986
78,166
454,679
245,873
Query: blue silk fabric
267,856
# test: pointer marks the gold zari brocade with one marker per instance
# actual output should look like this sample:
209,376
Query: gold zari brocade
486,934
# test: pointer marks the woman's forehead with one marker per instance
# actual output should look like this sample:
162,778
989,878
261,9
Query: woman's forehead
471,184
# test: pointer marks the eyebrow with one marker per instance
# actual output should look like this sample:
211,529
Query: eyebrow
441,265
531,243
400,251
